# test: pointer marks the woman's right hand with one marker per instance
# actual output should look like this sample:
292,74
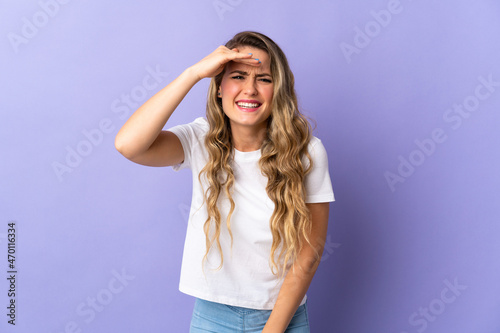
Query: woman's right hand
214,63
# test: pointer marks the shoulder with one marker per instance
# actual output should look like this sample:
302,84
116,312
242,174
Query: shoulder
316,148
317,181
314,141
201,121
200,124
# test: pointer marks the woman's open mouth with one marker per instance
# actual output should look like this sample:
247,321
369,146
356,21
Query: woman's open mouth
248,106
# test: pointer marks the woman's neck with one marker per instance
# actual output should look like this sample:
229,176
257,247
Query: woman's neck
247,138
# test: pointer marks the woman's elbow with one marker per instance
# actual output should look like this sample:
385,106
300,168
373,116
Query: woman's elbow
122,147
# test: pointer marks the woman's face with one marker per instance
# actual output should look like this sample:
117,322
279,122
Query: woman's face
247,91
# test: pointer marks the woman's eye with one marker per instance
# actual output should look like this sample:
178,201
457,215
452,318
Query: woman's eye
241,77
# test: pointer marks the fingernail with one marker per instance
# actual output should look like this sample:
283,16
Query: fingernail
257,59
250,53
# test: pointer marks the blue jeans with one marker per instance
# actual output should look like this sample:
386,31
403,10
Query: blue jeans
221,318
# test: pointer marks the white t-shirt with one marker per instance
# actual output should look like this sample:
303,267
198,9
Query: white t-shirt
245,278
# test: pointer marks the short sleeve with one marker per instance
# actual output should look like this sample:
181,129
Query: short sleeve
317,182
190,135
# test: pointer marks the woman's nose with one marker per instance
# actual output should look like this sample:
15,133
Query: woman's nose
250,87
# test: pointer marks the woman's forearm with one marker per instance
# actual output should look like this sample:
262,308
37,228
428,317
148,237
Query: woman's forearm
142,128
292,292
300,275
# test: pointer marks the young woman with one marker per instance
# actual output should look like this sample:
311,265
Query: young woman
261,187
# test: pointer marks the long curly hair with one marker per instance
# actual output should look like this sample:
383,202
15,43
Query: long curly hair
282,160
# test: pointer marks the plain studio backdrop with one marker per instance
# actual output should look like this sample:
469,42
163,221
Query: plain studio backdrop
406,98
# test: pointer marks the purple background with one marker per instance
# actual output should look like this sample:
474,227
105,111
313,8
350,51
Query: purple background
392,252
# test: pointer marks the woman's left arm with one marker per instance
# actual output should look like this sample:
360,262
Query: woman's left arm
300,275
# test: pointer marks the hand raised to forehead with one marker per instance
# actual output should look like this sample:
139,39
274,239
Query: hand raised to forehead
215,62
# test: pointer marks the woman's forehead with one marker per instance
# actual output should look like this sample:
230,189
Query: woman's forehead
264,68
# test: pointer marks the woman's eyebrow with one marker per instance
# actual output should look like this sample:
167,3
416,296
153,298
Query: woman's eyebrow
245,73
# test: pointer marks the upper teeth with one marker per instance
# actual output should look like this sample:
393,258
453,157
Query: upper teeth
248,105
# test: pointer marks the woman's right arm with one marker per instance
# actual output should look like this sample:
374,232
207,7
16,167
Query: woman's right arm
142,140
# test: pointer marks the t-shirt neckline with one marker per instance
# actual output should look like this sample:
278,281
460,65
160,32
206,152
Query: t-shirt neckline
246,155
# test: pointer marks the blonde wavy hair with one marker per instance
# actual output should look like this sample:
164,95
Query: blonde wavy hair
282,152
